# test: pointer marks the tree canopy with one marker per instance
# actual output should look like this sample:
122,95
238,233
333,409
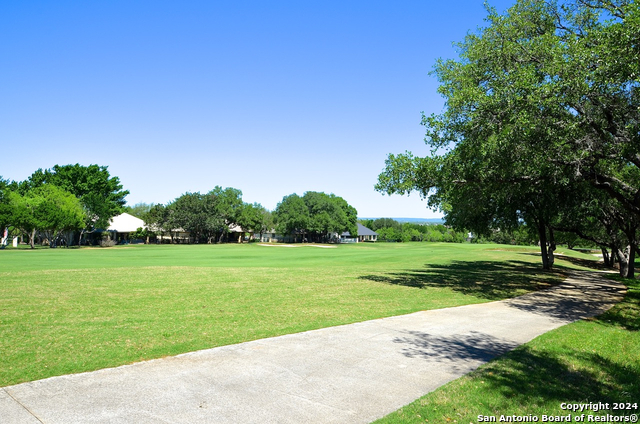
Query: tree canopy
315,216
540,126
6,211
52,210
100,194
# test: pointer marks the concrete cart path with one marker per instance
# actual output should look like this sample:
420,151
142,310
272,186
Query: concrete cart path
348,374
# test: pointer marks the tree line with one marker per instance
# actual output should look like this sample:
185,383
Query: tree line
210,217
52,203
389,229
541,128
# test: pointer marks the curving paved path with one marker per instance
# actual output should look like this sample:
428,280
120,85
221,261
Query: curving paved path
348,374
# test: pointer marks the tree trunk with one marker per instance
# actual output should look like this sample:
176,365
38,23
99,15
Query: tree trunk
32,238
631,269
615,257
552,248
627,258
542,233
606,258
624,263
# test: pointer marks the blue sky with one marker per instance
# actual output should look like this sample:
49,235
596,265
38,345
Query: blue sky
271,98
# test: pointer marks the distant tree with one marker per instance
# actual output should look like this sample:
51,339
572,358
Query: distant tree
6,209
227,204
55,211
139,234
349,221
389,234
158,219
206,216
315,215
195,213
292,216
24,213
367,223
385,223
266,220
138,210
100,194
253,218
329,214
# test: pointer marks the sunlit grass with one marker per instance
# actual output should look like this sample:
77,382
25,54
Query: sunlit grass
589,361
71,310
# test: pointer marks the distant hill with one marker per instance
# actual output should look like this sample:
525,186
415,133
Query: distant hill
414,220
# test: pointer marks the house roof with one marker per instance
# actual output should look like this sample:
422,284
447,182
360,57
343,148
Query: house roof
125,223
362,231
233,228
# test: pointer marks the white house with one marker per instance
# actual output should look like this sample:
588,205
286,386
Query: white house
124,224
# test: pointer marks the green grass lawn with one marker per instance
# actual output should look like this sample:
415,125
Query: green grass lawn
72,310
597,360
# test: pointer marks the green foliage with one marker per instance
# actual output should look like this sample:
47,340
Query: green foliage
158,219
47,209
389,229
139,210
329,214
227,204
195,213
291,215
205,216
54,210
315,216
379,223
139,234
101,195
6,211
24,218
541,125
254,218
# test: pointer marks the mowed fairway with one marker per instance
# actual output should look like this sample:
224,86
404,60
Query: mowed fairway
71,310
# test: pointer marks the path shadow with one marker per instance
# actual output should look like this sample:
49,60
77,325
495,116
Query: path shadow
583,295
475,346
482,279
527,373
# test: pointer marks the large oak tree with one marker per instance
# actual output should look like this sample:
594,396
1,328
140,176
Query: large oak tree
542,112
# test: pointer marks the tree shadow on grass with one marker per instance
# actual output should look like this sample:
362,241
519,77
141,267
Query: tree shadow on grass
527,376
625,314
482,279
585,263
532,376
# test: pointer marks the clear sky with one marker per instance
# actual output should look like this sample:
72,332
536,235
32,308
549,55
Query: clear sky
270,97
